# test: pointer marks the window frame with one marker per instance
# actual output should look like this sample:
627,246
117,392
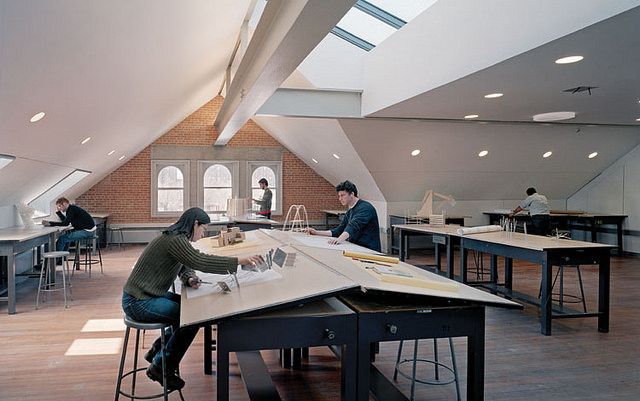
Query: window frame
276,166
156,166
233,166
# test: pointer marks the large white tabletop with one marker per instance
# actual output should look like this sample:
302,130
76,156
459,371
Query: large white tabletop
317,272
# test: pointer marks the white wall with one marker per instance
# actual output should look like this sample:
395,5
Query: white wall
616,190
8,216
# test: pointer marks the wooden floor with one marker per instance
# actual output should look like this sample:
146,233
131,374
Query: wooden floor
576,363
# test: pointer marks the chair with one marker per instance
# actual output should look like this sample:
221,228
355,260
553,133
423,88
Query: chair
89,259
115,236
132,324
453,369
47,281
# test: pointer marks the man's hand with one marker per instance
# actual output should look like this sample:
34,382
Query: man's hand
312,231
46,223
194,282
335,241
251,260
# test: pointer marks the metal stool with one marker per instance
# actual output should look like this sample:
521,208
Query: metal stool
113,233
89,260
560,297
436,364
47,276
132,324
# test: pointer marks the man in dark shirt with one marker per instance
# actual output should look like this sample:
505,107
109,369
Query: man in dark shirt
82,222
359,225
265,202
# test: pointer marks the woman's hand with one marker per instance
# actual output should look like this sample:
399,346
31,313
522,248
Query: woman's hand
251,260
194,282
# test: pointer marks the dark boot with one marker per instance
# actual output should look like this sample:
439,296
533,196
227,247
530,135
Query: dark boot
174,382
155,348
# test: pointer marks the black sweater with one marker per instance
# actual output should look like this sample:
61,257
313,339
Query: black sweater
361,222
77,217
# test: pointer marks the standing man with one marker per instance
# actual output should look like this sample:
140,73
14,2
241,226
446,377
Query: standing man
538,208
80,219
359,225
265,202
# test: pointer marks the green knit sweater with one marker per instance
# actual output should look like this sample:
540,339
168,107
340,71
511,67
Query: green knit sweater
166,257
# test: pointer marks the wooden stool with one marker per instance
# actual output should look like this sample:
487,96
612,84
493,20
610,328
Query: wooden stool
47,282
137,326
436,364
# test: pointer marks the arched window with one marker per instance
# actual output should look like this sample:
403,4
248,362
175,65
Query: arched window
259,172
170,196
218,187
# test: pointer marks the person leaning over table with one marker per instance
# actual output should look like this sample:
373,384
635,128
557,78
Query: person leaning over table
80,219
359,225
538,207
146,296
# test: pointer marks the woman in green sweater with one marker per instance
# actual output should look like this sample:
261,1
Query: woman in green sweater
146,296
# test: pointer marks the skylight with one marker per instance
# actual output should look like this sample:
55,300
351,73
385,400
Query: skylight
369,23
365,26
42,203
406,10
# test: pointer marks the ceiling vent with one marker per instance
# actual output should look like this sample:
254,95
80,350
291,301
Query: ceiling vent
579,89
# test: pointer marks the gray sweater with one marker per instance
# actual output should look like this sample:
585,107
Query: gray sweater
166,257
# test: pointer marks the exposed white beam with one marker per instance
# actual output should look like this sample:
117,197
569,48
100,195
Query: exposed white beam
287,32
313,103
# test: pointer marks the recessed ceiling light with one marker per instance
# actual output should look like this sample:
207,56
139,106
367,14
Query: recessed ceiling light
336,156
555,116
637,119
470,116
315,161
112,152
493,95
483,153
121,157
569,59
85,140
415,152
547,154
37,117
592,155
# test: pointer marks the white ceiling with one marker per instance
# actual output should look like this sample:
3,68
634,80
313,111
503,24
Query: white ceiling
533,83
122,72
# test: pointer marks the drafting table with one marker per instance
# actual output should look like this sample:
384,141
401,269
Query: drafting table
584,221
395,220
547,252
460,312
446,236
16,240
328,213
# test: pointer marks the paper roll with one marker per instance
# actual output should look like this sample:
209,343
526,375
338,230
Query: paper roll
368,256
417,282
478,230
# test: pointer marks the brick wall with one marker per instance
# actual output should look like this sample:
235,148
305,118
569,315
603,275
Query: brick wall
126,193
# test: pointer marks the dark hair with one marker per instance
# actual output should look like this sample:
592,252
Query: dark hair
62,200
184,225
531,191
347,186
263,181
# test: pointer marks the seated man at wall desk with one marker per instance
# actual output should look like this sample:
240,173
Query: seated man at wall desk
80,219
359,225
265,202
538,208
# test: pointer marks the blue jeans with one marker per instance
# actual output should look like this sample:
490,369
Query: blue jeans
63,241
165,309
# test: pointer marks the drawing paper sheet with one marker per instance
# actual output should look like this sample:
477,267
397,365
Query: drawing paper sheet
317,241
245,278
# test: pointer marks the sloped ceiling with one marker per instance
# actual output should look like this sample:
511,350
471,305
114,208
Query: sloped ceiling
419,115
121,72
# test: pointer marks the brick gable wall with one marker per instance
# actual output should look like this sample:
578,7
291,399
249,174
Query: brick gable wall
126,193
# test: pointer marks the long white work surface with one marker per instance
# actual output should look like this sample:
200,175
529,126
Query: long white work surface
317,272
